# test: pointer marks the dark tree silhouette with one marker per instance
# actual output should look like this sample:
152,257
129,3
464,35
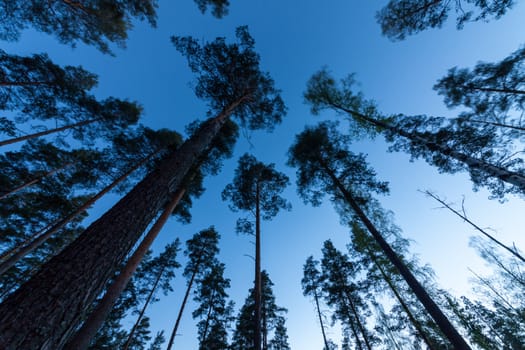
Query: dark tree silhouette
230,81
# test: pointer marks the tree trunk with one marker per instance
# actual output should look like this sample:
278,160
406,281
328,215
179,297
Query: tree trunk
258,287
82,338
503,174
44,235
139,318
47,309
25,83
441,320
404,306
208,316
497,90
47,132
486,234
360,326
35,180
179,316
501,125
316,297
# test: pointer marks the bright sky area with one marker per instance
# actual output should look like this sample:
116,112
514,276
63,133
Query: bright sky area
295,40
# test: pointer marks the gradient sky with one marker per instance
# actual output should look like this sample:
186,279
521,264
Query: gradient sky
295,40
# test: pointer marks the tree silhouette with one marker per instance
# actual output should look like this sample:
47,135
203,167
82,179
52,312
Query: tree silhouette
256,188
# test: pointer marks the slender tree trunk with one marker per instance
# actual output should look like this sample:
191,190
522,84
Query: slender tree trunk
316,298
503,174
44,235
441,320
486,234
82,338
208,317
354,331
360,325
258,287
139,318
47,132
47,309
404,306
35,180
25,83
181,310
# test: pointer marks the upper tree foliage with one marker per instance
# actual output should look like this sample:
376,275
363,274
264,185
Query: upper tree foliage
219,8
447,144
492,92
401,18
96,22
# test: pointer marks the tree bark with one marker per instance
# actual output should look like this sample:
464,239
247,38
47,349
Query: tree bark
82,338
441,320
47,132
179,316
46,233
503,174
46,310
258,289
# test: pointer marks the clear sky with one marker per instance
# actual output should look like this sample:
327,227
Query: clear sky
295,39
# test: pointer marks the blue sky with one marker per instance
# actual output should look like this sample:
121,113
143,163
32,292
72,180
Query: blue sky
295,40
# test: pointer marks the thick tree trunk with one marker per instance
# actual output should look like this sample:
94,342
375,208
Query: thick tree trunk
441,320
44,235
139,318
258,288
181,310
316,297
47,309
89,329
35,180
47,132
510,177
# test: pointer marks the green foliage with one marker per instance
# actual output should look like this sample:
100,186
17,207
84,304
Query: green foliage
228,74
256,183
201,250
272,316
401,18
97,22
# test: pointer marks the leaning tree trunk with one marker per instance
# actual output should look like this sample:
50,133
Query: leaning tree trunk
35,180
40,237
505,175
181,310
46,310
143,311
441,320
82,338
404,305
316,297
257,288
48,132
208,318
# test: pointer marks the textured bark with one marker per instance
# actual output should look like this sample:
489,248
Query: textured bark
82,338
47,132
510,177
46,310
35,180
43,235
441,320
258,288
181,310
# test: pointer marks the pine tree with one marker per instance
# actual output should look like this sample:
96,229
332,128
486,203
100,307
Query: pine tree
256,188
325,166
447,145
231,82
219,8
